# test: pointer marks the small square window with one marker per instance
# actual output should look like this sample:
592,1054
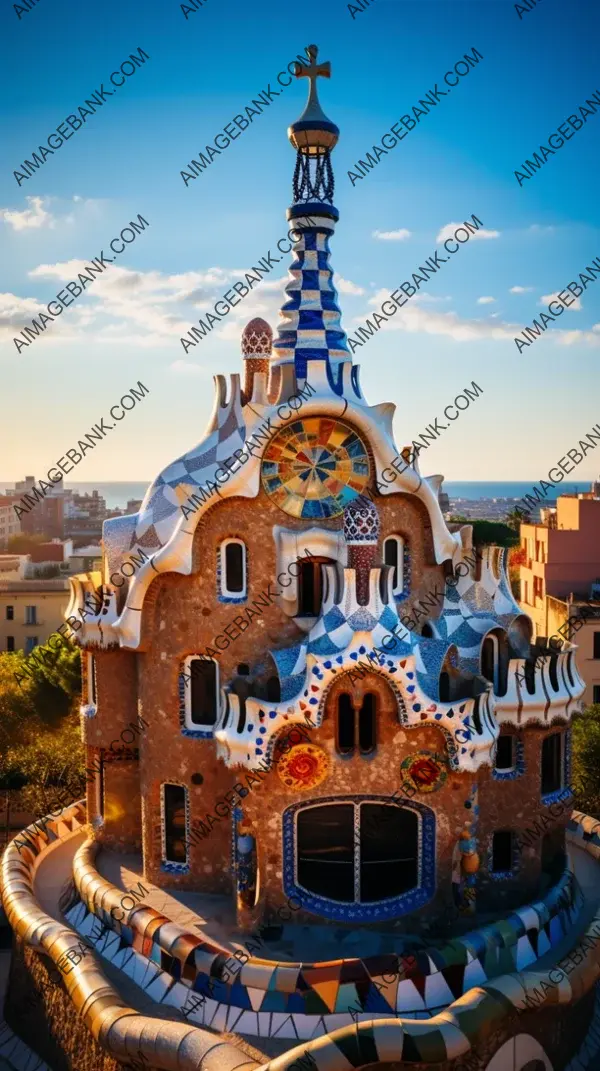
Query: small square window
596,695
10,643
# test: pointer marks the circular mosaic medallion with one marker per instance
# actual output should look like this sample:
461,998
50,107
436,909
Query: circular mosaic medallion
426,771
303,767
315,467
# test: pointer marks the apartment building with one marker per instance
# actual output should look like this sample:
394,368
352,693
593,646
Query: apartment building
560,577
30,611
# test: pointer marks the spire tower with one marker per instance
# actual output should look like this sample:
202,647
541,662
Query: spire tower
311,319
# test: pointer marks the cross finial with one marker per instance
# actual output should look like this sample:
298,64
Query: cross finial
314,71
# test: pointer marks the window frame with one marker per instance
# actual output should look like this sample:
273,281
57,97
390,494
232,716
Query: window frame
513,751
10,643
398,587
224,591
32,616
594,655
10,612
388,908
503,874
168,864
189,727
356,750
31,642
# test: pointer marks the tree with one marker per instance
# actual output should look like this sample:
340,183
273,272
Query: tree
36,693
493,532
586,759
516,517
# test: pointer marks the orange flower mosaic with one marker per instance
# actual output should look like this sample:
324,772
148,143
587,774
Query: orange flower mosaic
304,767
425,771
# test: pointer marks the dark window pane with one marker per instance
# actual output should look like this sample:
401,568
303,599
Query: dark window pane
596,644
310,590
345,724
243,669
505,753
530,676
326,851
273,690
390,557
553,671
10,616
10,643
234,567
204,691
595,697
444,682
487,659
551,764
92,670
366,724
502,850
175,823
389,849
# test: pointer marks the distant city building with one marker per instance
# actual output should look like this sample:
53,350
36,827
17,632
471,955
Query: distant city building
30,611
84,515
560,577
42,517
10,524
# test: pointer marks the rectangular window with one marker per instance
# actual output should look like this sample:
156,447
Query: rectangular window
174,824
502,851
31,615
595,699
389,851
596,645
30,643
10,645
233,568
204,692
505,754
552,764
10,613
310,589
326,851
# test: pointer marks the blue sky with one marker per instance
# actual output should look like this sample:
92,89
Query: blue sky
460,160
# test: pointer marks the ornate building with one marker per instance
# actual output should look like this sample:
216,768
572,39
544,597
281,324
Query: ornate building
333,721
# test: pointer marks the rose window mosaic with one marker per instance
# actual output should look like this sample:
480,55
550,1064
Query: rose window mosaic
304,767
315,467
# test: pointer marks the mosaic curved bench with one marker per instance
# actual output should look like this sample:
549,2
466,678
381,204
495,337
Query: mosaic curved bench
122,1031
288,1000
119,1029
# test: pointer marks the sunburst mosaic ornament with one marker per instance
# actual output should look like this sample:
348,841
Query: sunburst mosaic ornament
315,467
304,767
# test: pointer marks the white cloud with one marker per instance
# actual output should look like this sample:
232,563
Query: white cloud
345,286
31,218
186,367
547,298
430,299
520,289
537,228
414,319
392,236
450,228
486,300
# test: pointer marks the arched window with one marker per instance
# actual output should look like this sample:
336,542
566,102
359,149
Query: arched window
345,734
348,725
310,589
393,555
505,752
355,853
552,764
233,568
494,660
201,693
174,824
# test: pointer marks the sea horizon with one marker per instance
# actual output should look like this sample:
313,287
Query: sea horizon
118,492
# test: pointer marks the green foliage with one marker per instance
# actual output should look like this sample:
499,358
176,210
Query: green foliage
49,770
515,518
586,759
37,690
493,532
